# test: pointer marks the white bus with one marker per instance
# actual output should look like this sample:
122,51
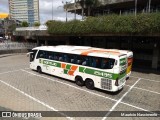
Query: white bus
84,65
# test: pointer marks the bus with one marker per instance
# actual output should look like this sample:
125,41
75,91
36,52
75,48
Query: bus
84,65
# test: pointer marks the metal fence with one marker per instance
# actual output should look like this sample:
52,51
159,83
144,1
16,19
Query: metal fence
16,45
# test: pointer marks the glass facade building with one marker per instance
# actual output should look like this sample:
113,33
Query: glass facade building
24,10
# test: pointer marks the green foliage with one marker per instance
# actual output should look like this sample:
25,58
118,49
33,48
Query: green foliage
110,24
25,24
12,27
36,24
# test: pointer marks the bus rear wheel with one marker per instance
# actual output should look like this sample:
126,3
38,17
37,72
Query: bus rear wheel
79,81
39,70
89,84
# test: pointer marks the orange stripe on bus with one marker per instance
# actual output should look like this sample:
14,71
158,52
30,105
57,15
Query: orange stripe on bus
71,72
74,67
99,51
63,65
87,52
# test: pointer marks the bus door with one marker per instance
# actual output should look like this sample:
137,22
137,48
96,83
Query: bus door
43,61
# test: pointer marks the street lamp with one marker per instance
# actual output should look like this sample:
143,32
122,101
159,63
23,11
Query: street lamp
65,3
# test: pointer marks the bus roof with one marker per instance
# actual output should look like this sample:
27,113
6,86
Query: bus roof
81,50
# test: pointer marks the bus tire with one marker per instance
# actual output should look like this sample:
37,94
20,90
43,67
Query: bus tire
39,70
89,84
79,81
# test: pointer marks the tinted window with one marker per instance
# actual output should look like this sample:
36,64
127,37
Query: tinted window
96,62
32,55
107,63
41,54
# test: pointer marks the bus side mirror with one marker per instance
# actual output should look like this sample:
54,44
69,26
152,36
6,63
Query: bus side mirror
28,54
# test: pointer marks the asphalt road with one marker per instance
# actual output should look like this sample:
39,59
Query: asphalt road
22,89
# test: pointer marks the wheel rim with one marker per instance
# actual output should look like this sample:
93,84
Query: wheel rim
79,81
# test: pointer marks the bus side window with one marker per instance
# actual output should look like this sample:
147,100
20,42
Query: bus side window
98,63
40,54
72,59
60,58
50,55
104,64
92,62
56,56
65,58
107,63
79,60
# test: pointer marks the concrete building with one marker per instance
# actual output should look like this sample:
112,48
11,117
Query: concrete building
146,47
114,6
24,10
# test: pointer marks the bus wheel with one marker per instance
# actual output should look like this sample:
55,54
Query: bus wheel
39,70
89,84
79,81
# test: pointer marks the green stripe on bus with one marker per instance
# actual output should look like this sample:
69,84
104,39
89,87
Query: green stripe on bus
98,73
81,69
122,75
68,66
123,61
65,71
56,64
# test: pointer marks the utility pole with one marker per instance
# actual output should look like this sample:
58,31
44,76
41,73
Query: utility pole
149,6
52,9
135,8
75,9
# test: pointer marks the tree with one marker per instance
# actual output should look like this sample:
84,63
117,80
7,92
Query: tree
36,24
25,24
49,22
12,27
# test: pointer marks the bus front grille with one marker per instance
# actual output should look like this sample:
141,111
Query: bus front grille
106,84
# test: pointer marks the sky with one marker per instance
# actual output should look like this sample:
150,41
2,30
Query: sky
45,7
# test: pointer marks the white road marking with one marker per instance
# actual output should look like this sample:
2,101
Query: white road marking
12,71
115,105
134,106
145,79
71,86
86,91
9,72
38,101
144,89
